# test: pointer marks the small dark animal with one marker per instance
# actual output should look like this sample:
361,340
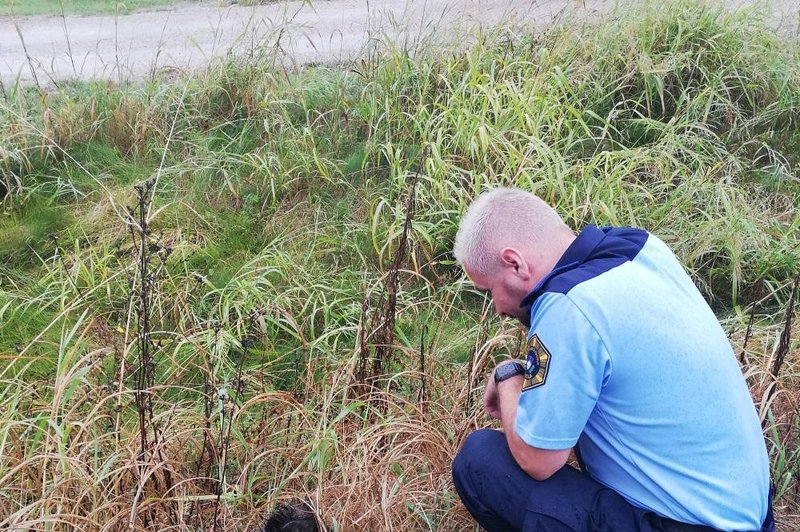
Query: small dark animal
292,516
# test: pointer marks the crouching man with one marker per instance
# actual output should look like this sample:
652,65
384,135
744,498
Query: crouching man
626,363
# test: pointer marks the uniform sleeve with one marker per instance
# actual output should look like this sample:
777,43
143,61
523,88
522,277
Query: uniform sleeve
567,366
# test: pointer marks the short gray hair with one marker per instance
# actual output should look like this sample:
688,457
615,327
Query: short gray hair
504,217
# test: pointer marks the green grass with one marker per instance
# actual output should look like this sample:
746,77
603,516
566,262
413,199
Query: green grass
278,209
80,7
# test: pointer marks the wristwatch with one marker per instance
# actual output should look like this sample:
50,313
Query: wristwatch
506,371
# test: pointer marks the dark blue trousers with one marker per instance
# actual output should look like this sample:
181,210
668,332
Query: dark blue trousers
502,497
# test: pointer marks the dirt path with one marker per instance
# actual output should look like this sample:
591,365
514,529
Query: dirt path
45,49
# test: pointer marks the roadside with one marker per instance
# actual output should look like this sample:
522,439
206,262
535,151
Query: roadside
50,49
79,7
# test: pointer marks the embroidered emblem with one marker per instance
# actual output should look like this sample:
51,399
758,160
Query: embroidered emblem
536,364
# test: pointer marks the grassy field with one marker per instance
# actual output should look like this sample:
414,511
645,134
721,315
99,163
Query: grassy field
236,288
82,7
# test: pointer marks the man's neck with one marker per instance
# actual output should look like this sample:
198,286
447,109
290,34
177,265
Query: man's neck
547,260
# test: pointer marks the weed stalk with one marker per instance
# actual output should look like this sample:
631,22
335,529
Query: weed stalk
786,336
145,375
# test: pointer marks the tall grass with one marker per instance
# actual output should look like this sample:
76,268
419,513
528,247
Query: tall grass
280,223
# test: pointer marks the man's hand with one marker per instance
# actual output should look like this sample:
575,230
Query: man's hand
491,399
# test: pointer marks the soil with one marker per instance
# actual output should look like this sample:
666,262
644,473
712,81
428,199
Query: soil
52,49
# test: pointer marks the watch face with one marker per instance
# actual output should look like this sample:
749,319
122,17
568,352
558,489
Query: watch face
506,371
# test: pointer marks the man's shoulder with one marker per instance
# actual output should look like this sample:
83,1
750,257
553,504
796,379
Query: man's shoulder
615,247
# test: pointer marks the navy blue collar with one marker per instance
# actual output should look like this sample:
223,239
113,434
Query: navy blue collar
576,254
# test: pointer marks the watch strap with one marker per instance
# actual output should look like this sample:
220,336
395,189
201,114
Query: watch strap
506,371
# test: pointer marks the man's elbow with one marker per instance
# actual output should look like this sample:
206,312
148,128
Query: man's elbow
539,464
538,470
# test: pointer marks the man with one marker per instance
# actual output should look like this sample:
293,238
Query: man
625,362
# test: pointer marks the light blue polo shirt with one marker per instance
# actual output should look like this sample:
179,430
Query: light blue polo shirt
626,358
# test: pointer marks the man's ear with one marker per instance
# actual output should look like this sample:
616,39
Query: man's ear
512,258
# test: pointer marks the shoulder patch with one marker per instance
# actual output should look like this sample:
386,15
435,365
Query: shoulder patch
536,364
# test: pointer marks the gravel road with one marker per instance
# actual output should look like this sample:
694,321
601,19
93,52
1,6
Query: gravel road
48,49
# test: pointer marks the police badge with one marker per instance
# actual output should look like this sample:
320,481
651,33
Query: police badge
536,364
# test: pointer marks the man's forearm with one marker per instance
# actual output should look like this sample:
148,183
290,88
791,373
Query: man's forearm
508,398
538,463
